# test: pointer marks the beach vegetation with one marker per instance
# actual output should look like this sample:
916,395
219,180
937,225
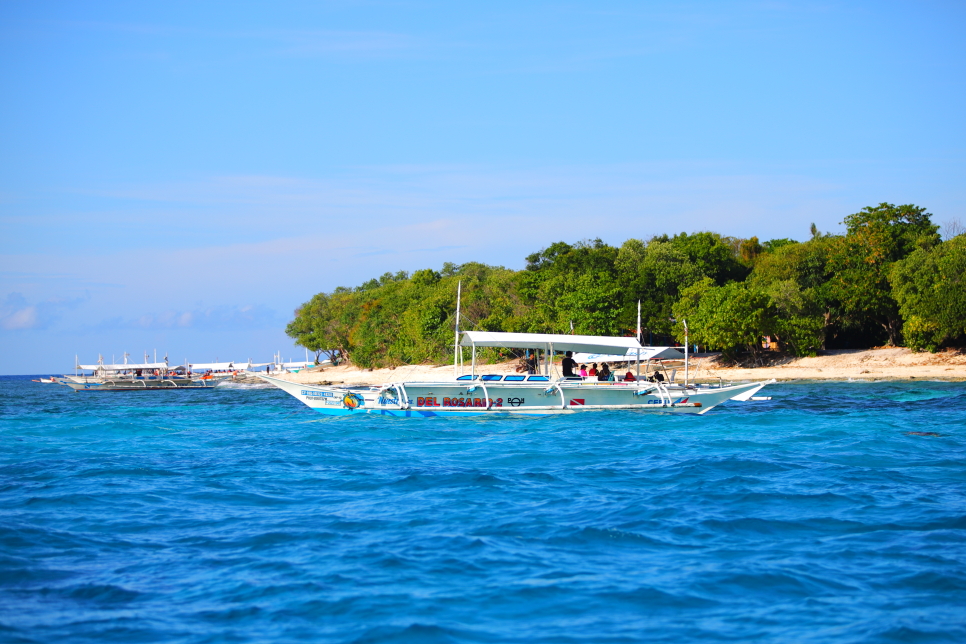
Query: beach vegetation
930,288
890,277
733,317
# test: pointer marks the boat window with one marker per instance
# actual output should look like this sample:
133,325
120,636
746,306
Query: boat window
467,377
538,379
514,378
490,377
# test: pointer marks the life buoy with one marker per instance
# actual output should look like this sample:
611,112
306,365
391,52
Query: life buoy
353,401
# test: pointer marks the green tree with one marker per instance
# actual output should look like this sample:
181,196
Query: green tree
796,276
862,260
326,321
712,254
653,273
930,287
774,244
566,283
799,323
733,318
749,250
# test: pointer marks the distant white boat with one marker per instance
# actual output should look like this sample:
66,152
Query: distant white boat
132,377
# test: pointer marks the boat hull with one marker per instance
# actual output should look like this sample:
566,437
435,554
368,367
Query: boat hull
80,383
476,398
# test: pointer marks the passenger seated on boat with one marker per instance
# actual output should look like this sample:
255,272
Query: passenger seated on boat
658,377
583,371
629,377
568,365
593,370
604,374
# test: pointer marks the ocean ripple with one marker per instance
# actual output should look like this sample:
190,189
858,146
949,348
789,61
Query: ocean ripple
239,515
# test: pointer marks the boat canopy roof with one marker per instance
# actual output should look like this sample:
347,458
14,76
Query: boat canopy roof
560,342
218,366
124,367
647,353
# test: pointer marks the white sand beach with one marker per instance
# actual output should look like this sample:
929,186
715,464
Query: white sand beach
872,364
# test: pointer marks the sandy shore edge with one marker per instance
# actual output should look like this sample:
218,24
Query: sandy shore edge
871,364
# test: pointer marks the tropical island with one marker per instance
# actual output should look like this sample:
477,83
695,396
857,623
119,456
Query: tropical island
893,280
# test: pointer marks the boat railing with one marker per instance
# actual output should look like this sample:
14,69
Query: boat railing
403,396
486,394
664,393
556,385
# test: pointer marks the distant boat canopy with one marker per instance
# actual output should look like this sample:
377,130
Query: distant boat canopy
124,367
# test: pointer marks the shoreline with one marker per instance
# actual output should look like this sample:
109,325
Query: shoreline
859,364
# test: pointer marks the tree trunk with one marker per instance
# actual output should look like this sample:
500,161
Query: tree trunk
893,326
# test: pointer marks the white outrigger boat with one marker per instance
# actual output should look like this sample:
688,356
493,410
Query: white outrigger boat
534,394
132,377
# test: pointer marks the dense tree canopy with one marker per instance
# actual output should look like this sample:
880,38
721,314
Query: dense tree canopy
888,278
930,287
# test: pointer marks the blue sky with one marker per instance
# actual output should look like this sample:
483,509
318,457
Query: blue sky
180,176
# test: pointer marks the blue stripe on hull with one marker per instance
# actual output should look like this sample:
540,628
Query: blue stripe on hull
405,413
414,413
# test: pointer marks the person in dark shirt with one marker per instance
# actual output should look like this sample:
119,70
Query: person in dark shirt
568,365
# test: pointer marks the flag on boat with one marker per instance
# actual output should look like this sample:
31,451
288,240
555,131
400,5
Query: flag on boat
576,402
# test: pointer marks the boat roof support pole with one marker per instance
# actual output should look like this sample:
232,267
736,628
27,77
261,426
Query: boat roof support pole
474,359
638,339
457,353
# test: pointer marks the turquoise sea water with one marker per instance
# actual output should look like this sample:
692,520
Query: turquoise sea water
239,515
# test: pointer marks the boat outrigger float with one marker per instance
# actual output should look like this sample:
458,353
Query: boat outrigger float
535,394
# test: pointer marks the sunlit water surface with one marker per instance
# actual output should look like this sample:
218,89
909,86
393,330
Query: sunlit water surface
239,515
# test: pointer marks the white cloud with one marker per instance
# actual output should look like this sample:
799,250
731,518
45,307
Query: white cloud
25,318
17,314
211,318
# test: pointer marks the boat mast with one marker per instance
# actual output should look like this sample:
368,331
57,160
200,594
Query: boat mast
685,353
457,354
638,339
